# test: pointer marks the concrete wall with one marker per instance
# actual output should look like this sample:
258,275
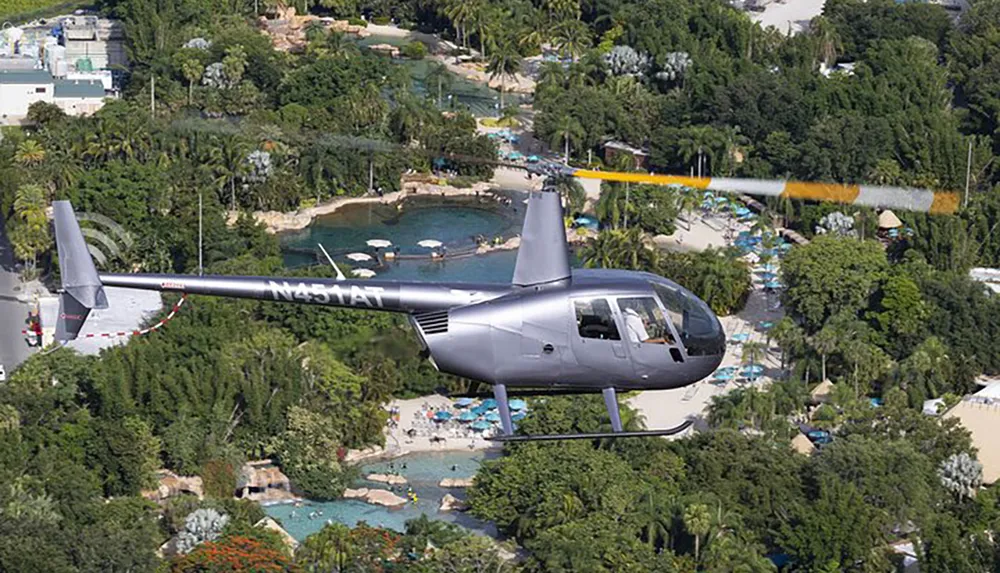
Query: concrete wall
15,98
80,106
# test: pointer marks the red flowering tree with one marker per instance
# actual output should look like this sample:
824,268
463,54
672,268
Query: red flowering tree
235,553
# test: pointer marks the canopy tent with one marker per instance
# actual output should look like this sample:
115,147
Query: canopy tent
379,243
363,273
429,243
359,257
888,220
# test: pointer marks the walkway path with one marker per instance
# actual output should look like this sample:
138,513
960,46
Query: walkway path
13,348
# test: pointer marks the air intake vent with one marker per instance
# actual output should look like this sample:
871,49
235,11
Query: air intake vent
433,322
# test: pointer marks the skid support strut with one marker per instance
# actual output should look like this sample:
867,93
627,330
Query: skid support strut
500,394
611,403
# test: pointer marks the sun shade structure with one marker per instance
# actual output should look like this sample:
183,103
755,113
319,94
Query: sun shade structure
363,273
429,243
442,416
359,257
379,243
888,220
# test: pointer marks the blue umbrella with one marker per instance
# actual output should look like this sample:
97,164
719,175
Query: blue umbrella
766,324
533,159
775,284
493,417
442,416
463,402
479,410
742,211
480,425
518,404
741,337
785,246
720,375
518,416
768,276
467,416
752,370
490,404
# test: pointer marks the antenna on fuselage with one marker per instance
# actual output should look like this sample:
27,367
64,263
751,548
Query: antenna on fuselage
340,275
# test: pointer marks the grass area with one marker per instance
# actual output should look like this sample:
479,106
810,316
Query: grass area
502,122
21,11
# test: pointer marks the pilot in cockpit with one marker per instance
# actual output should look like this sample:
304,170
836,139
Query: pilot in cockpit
636,326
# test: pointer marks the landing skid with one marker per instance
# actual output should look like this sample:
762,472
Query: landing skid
595,436
610,402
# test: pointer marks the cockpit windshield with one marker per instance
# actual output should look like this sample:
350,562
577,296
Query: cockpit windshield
699,329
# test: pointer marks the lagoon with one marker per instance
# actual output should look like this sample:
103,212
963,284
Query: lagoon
423,471
455,221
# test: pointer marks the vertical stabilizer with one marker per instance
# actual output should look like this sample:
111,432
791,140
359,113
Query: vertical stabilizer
82,289
543,256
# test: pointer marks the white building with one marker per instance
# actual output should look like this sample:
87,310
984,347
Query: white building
21,88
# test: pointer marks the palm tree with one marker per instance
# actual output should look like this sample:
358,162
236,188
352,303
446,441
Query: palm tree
572,38
827,39
29,153
461,13
825,342
504,63
654,518
439,73
752,351
568,130
790,338
192,70
697,521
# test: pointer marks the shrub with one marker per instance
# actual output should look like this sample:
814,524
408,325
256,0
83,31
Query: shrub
381,20
414,50
357,22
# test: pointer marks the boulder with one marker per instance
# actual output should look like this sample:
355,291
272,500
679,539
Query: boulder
384,498
390,479
359,493
456,482
452,503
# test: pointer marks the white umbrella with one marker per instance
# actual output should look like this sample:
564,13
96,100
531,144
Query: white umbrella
359,257
379,243
363,273
430,243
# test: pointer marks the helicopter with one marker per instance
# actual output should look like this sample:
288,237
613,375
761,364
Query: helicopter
551,328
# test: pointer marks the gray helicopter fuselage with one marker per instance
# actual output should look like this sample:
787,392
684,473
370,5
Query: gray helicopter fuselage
537,337
504,334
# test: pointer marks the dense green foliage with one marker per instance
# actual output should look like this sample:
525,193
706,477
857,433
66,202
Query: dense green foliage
246,127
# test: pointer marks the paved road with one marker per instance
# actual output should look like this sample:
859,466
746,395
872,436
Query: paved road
13,349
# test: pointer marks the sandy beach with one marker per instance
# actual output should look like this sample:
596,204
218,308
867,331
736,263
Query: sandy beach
789,16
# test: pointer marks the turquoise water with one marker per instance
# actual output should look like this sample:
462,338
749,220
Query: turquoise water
453,221
423,471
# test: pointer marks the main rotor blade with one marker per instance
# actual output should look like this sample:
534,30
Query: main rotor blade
904,198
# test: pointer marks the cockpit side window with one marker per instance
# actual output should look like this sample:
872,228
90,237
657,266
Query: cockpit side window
644,321
595,320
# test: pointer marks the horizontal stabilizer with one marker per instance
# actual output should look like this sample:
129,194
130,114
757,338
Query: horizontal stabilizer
82,288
